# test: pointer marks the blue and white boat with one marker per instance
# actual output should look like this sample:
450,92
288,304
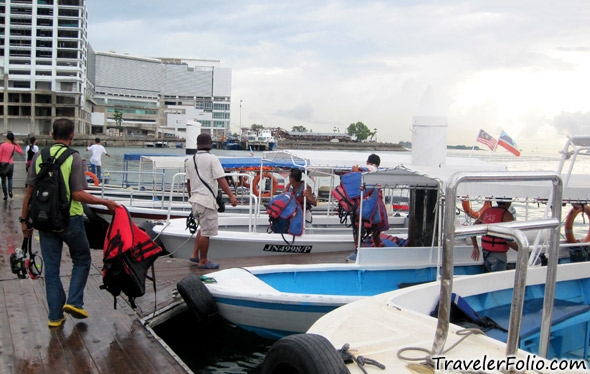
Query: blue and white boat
520,318
279,300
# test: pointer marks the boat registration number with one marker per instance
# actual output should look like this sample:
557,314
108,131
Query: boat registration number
287,248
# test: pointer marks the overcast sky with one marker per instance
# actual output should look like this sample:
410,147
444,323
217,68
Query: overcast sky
522,66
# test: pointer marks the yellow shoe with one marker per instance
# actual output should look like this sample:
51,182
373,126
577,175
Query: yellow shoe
58,323
78,313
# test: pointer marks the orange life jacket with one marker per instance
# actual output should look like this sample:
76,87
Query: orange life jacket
492,243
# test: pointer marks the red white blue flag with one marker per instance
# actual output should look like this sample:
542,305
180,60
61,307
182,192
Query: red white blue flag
507,142
486,139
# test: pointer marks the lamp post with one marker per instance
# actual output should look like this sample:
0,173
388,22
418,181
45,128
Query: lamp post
241,114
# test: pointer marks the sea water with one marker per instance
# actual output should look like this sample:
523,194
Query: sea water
221,348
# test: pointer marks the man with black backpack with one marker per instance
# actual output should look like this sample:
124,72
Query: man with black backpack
53,205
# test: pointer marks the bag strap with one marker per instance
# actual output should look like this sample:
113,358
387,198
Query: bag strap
205,183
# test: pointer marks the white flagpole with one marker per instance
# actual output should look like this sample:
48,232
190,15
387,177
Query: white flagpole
495,147
474,144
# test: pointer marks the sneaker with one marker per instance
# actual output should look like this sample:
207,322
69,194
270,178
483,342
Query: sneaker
10,194
78,313
58,323
352,257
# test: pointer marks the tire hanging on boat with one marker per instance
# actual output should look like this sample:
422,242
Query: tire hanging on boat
303,354
472,213
569,223
198,299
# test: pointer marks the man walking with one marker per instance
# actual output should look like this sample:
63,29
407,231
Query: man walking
95,159
73,234
202,170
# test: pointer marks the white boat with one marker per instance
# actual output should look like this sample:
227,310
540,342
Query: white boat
546,313
279,300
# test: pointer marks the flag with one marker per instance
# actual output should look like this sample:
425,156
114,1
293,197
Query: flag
251,151
486,139
507,142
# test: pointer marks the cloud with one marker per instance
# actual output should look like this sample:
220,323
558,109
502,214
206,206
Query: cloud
499,64
571,123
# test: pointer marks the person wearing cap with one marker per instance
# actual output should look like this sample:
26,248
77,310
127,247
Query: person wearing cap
494,249
204,205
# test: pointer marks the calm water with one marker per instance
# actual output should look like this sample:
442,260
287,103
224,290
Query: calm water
225,349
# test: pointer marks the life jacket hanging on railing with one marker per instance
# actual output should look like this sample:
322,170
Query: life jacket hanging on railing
347,194
374,214
285,216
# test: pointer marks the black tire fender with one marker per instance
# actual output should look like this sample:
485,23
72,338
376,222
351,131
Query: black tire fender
198,298
303,354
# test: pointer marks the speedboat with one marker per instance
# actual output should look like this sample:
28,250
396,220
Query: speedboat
278,300
513,320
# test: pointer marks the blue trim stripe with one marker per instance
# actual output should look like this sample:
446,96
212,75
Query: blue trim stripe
303,307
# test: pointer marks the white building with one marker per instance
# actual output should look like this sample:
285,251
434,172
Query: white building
43,52
157,96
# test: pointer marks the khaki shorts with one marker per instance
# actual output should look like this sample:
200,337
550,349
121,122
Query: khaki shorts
207,220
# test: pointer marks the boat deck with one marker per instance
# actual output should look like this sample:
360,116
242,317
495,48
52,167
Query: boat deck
109,341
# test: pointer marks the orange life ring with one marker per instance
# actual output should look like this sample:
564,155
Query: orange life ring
243,182
94,178
569,224
273,189
472,213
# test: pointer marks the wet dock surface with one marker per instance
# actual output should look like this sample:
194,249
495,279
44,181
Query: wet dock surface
109,341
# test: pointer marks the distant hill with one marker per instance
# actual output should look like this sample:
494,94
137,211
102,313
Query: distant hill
462,147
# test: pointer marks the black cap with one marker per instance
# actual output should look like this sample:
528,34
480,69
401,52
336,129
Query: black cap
374,159
204,141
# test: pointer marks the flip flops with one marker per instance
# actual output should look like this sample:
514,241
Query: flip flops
209,265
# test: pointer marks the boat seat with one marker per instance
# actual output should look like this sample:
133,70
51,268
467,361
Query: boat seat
566,315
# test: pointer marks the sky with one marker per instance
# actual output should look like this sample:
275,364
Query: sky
519,66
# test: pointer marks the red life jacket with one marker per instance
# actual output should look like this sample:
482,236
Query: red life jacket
492,243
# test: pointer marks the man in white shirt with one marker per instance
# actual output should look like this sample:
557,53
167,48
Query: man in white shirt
203,202
97,151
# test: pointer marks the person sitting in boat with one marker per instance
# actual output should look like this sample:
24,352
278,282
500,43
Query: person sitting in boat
494,249
296,185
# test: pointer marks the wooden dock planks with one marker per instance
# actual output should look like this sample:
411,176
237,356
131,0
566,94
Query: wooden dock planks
109,341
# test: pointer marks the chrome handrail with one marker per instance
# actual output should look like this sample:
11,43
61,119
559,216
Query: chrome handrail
509,229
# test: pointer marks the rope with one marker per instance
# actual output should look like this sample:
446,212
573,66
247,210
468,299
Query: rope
361,361
191,225
463,332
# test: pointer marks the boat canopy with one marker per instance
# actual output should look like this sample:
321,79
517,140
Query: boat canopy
228,163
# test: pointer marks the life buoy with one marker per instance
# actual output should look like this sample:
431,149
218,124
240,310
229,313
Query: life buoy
91,175
273,188
198,298
303,354
472,213
569,224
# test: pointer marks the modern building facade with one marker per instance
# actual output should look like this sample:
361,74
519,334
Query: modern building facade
48,70
158,96
43,51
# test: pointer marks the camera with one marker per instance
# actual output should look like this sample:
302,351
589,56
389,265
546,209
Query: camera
18,263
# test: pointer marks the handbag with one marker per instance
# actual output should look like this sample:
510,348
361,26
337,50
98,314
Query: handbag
218,198
5,166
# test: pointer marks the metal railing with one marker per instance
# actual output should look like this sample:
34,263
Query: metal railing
505,230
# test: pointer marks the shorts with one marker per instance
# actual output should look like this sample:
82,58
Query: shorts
207,219
495,261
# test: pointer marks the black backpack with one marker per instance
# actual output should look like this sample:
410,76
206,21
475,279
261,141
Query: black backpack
49,206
